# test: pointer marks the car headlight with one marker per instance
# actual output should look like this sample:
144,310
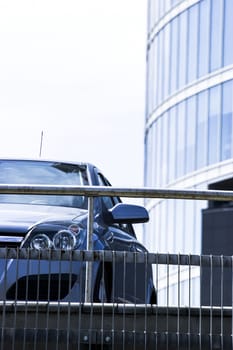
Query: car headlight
64,239
40,241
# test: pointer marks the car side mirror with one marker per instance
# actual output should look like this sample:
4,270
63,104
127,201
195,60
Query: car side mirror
127,214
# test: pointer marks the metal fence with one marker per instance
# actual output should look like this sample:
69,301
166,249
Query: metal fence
28,322
35,313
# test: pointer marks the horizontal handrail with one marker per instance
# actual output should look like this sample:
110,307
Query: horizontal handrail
141,192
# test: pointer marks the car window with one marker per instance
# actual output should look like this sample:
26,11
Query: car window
42,173
109,202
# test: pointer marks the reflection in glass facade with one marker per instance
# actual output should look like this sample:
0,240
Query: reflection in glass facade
189,110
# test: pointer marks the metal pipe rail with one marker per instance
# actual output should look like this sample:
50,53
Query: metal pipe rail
94,191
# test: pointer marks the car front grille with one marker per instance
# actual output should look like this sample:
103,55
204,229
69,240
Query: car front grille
45,287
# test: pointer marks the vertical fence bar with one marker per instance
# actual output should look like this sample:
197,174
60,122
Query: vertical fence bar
3,325
90,221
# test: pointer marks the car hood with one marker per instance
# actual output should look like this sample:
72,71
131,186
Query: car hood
19,218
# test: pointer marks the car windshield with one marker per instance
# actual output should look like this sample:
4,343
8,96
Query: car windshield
43,173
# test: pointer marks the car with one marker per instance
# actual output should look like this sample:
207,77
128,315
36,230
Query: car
49,222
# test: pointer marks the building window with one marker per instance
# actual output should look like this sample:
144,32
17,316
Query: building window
204,38
167,5
153,159
165,142
192,43
158,151
172,144
183,49
166,63
190,134
202,131
170,229
174,55
160,65
150,155
214,125
181,123
151,79
228,33
226,127
149,18
154,73
179,226
216,34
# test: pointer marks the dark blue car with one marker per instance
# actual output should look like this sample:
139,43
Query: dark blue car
59,222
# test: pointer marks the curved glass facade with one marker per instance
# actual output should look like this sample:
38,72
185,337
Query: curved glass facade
189,111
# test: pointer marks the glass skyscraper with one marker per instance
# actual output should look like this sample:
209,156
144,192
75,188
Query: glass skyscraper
189,107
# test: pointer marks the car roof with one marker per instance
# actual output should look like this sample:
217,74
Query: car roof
90,167
48,160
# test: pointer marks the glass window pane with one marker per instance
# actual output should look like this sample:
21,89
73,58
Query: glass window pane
214,125
155,5
149,16
183,18
175,2
174,55
160,65
155,71
192,43
161,12
191,134
172,143
202,131
153,161
179,226
203,60
181,119
149,160
158,141
167,5
152,78
166,63
170,207
149,82
228,33
216,34
165,142
163,217
226,139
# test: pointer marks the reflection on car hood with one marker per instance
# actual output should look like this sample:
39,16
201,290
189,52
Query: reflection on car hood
20,217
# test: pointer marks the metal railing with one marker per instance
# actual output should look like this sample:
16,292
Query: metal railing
93,191
41,320
43,323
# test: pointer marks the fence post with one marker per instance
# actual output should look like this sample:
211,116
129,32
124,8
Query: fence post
90,221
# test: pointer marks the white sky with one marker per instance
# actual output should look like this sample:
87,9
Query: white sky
76,70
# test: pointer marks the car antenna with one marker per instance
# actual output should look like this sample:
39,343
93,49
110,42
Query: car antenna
41,143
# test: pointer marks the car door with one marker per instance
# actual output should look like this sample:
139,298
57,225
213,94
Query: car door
131,282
